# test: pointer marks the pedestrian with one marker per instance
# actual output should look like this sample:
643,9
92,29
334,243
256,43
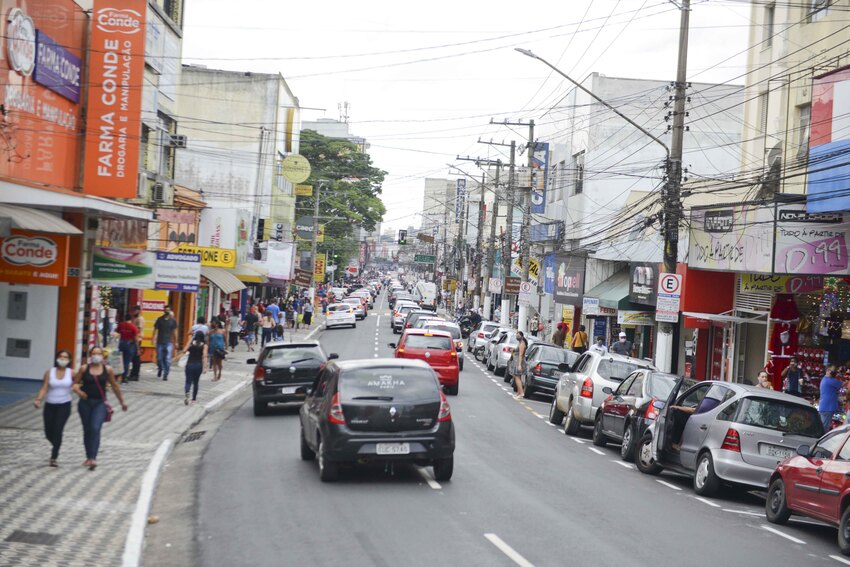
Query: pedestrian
90,383
268,327
139,322
828,404
763,381
522,346
200,325
290,315
128,336
533,326
249,327
560,335
622,346
195,365
165,339
308,313
234,325
274,309
497,315
56,393
217,350
792,377
105,327
579,342
599,346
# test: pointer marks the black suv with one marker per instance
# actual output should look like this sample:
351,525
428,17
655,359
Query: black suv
377,410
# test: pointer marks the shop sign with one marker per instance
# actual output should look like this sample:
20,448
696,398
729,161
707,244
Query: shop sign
302,278
124,268
215,257
735,238
569,279
642,282
34,258
549,273
226,229
539,177
533,269
568,315
636,318
177,271
294,168
116,76
20,42
319,267
303,190
56,68
606,312
590,306
763,283
494,285
811,243
512,285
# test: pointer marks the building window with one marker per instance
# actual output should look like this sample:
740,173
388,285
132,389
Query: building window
173,9
818,10
578,172
17,308
804,118
769,19
763,112
168,128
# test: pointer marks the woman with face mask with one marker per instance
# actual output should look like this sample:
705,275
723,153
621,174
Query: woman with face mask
90,383
56,393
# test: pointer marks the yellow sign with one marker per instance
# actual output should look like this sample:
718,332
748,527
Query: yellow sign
319,267
217,257
533,269
295,168
303,190
568,314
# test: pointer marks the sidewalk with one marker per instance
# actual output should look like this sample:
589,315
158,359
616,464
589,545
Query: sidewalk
72,516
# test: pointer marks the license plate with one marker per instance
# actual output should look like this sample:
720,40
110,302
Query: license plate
776,452
393,448
288,390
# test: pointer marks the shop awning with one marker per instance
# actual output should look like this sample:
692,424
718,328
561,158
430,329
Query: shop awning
14,194
251,274
222,279
724,318
611,291
36,220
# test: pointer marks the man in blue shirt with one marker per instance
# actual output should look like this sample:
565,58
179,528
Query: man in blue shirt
828,405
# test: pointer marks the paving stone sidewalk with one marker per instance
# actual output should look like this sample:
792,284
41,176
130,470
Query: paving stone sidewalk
70,516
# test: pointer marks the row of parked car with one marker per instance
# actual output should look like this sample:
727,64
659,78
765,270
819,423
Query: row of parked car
716,433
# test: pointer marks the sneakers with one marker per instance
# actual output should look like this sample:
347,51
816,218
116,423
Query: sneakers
159,372
186,399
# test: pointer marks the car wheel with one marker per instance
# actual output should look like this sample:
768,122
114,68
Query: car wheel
328,471
260,408
776,507
643,456
571,424
354,325
627,449
556,416
706,481
844,532
307,454
452,390
443,469
599,438
528,390
501,372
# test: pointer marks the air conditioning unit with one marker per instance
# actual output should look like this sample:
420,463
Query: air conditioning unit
177,141
158,192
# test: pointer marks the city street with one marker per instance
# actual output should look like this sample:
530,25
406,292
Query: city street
522,492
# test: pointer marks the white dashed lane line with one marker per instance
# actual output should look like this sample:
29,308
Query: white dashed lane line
426,476
786,536
706,501
668,485
743,512
576,439
509,551
624,464
597,451
840,559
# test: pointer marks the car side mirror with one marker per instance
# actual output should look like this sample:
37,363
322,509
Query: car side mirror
333,355
251,361
563,367
804,450
607,390
391,345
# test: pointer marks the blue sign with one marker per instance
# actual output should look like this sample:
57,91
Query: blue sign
57,68
828,174
549,273
599,329
178,271
545,232
539,177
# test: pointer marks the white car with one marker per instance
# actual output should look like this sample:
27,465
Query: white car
400,314
340,315
357,304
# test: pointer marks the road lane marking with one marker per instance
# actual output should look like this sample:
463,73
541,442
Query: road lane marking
786,536
429,479
550,423
624,465
512,554
744,512
378,321
376,349
576,439
668,485
597,451
707,501
840,559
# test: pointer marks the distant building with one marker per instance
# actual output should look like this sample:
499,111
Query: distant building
332,128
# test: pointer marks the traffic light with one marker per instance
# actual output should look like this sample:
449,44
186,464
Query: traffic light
402,237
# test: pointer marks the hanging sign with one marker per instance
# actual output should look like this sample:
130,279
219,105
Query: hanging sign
176,271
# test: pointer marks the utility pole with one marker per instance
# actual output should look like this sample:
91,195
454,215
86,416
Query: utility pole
479,242
314,245
509,226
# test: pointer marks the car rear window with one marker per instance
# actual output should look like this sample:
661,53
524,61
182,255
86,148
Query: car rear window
424,341
453,331
615,369
553,355
396,383
660,385
339,307
278,357
780,415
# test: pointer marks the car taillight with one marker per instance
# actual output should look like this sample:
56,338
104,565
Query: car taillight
537,369
335,414
732,441
454,353
407,325
259,373
587,388
506,349
445,411
480,335
651,411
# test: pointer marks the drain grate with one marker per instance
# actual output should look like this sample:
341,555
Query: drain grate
38,538
194,436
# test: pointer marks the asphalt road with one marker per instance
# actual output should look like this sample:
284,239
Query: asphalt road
522,494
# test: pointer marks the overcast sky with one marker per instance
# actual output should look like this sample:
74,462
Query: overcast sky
424,80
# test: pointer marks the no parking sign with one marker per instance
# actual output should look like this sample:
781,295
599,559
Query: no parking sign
669,298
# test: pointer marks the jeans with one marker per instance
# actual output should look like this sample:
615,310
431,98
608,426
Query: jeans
137,365
164,352
267,336
826,419
128,352
193,377
92,414
55,416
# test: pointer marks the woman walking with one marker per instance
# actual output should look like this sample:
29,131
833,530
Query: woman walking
56,393
522,346
234,326
90,384
268,327
308,313
195,366
217,350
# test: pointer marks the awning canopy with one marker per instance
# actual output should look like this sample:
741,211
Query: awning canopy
222,279
251,273
37,220
15,194
724,318
611,291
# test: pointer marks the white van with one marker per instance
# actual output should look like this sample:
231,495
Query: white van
425,294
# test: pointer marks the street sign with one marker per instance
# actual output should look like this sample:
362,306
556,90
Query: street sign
304,228
590,306
526,291
424,259
669,298
303,278
512,285
494,285
303,190
295,168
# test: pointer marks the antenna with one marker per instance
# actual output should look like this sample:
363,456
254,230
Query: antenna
343,107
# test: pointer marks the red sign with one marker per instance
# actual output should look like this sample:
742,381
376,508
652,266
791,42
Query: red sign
116,75
34,258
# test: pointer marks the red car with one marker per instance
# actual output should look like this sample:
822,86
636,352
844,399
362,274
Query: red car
815,483
437,348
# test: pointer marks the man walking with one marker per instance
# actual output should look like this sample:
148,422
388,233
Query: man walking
165,339
622,346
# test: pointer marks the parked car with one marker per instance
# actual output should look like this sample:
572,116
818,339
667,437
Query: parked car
815,483
510,368
719,432
479,333
452,328
340,315
544,364
362,411
358,306
630,408
284,370
435,348
500,354
495,336
579,394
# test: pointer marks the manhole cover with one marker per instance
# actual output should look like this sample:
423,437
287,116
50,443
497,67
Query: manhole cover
39,538
194,436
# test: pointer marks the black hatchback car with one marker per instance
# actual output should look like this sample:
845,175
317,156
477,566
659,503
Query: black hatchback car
543,367
284,371
377,410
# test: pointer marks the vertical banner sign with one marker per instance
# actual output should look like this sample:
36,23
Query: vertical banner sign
319,267
116,75
460,196
539,177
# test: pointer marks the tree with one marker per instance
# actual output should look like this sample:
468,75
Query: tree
351,189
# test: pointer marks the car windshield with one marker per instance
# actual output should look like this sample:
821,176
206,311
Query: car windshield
615,369
453,331
553,355
430,342
278,357
780,415
389,382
